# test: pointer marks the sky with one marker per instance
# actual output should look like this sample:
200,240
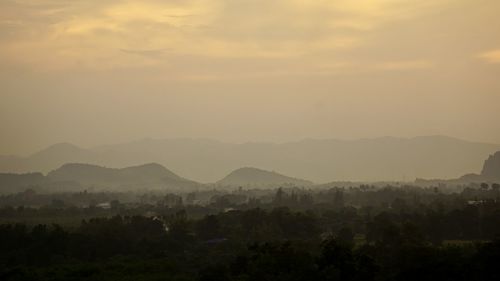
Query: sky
96,72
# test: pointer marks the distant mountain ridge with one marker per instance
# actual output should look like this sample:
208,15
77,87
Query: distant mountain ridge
69,176
151,174
12,183
254,176
491,167
490,173
386,158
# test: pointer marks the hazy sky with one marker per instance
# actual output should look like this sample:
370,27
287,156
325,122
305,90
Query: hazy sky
92,72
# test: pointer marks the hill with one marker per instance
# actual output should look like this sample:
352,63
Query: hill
491,167
489,173
254,176
149,176
377,159
12,183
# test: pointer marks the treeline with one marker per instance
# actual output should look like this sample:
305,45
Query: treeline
445,217
278,244
293,197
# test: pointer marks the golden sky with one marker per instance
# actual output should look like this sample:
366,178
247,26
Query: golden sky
92,72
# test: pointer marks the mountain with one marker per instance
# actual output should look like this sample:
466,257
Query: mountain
149,175
489,173
254,176
12,183
491,167
47,159
377,159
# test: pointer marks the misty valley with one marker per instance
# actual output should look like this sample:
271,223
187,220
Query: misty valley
89,222
249,140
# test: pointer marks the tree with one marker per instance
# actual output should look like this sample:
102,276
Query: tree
336,261
279,198
179,227
338,200
208,228
345,235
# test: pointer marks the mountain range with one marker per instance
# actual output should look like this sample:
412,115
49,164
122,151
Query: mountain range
149,175
152,176
489,173
386,158
77,176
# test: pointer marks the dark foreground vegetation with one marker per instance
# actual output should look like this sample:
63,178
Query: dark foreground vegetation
333,234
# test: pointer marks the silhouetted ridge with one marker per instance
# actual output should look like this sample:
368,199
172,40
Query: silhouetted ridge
147,174
63,148
489,173
154,170
321,160
18,182
248,175
491,167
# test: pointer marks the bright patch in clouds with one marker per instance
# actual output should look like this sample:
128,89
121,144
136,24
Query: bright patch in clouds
106,71
93,34
491,56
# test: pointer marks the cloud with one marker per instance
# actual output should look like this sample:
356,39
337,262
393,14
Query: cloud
147,53
309,34
491,56
405,65
61,61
